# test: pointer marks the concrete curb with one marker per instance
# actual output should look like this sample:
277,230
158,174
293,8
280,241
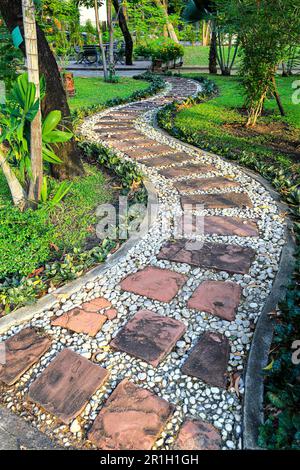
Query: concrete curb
17,434
47,302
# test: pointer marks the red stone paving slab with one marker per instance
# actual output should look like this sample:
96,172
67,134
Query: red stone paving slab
66,385
219,225
176,157
205,184
196,434
230,258
218,201
154,283
186,170
22,351
131,419
209,359
96,305
149,336
218,298
80,321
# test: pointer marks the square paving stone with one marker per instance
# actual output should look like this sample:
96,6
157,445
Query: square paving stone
154,283
80,321
142,152
196,434
209,359
176,157
66,385
230,258
218,225
149,336
218,298
218,201
22,351
205,184
131,419
186,170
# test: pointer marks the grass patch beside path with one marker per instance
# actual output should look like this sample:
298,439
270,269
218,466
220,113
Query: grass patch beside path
32,238
219,123
93,91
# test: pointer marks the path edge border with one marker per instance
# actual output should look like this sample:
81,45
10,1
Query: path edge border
47,302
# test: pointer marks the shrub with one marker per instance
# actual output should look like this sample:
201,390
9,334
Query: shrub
24,239
160,49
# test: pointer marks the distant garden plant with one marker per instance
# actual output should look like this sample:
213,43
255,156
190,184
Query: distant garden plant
160,49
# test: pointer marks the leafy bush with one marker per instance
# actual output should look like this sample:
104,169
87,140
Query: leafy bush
24,240
160,49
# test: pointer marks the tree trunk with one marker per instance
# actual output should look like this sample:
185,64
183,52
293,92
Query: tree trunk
36,180
11,11
100,40
17,192
111,65
170,27
126,33
213,53
277,97
206,33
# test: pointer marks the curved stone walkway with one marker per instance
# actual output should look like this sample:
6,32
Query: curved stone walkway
151,355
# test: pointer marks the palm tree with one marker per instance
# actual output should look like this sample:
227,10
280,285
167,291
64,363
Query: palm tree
197,10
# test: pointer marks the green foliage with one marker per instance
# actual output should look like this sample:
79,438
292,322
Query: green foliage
15,119
160,49
281,429
10,57
24,240
264,31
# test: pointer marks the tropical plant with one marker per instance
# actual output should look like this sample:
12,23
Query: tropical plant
160,49
16,117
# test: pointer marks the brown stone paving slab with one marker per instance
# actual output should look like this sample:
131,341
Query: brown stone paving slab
131,419
196,434
66,385
156,162
209,359
205,184
230,258
218,201
144,152
22,351
216,225
154,283
223,225
96,305
149,336
80,321
218,298
186,170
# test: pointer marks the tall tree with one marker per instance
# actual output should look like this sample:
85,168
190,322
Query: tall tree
163,5
120,11
100,38
11,11
31,49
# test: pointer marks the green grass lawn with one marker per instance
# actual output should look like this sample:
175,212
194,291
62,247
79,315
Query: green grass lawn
32,238
91,91
219,123
198,56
